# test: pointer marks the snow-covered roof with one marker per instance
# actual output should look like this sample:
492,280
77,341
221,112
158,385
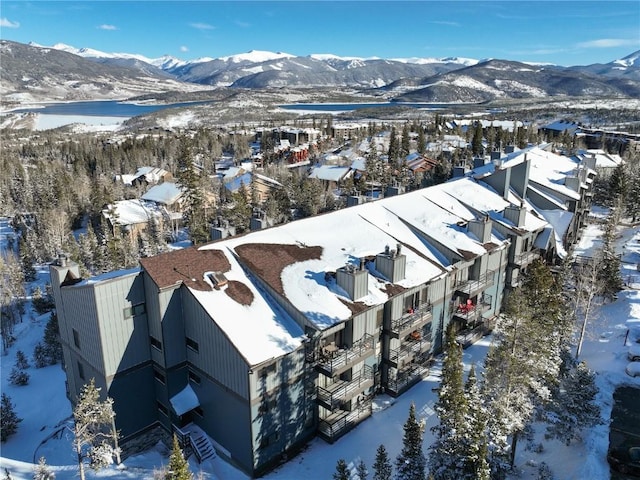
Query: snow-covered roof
329,172
166,193
560,221
131,212
603,159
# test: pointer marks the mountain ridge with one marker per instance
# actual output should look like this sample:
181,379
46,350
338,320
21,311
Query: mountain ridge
71,73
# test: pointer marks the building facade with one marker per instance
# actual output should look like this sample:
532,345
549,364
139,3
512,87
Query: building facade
263,341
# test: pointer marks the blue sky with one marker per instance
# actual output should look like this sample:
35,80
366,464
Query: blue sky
560,32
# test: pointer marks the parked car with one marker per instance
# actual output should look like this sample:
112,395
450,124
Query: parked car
634,352
625,459
633,369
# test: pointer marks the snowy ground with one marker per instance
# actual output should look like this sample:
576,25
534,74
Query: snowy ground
43,405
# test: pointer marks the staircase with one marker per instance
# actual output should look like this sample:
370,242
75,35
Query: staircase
200,443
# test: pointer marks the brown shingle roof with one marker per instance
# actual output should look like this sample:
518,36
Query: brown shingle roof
267,260
181,266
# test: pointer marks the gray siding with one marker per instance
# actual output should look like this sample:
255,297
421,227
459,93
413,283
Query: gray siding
125,340
217,355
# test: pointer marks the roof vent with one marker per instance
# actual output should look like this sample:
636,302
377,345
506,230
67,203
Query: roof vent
218,279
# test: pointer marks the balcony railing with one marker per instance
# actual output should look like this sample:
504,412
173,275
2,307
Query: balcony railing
411,320
473,286
400,380
409,351
340,422
525,258
335,360
472,335
337,394
470,312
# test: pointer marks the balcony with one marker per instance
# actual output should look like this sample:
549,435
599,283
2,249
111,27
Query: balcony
400,380
474,333
470,312
409,351
335,360
336,395
414,319
525,258
340,422
472,287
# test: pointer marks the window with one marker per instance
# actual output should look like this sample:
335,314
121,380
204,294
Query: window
193,377
379,318
80,370
162,408
134,310
159,376
193,345
155,343
76,338
268,370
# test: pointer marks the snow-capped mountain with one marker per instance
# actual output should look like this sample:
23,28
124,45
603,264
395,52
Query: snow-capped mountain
77,74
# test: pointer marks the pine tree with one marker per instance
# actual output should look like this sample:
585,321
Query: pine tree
361,470
448,452
476,464
21,360
9,420
476,142
40,357
342,471
394,147
178,465
573,407
18,374
42,472
411,462
382,468
95,437
422,142
52,345
405,142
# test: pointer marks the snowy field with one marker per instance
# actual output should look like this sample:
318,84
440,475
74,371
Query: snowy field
46,412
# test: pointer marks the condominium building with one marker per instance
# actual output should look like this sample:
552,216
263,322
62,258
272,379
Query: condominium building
260,342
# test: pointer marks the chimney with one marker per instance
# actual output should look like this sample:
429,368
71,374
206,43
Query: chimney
392,264
515,214
354,282
481,228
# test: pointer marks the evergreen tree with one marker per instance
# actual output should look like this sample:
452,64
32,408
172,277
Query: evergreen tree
95,438
361,470
411,462
447,453
18,374
422,142
178,465
394,147
21,360
9,420
42,472
573,406
476,142
382,468
609,273
476,464
52,345
405,142
40,357
27,261
342,471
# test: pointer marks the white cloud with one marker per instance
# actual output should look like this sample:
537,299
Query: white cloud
607,43
445,23
184,48
107,27
242,24
202,26
6,23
